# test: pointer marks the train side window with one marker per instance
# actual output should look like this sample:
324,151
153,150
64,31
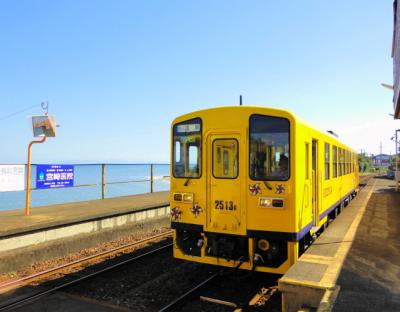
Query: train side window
269,153
327,161
307,158
225,166
218,154
335,157
177,151
348,162
355,162
339,162
342,162
351,162
187,149
193,158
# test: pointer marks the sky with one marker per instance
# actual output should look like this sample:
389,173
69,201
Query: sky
116,73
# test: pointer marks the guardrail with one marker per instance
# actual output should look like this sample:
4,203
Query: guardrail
95,181
104,183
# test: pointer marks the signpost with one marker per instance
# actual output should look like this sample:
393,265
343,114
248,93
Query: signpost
54,176
43,126
12,178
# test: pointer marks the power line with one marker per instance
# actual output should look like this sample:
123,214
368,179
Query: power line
18,112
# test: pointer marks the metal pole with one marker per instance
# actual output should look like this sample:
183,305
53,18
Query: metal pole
103,181
380,160
151,178
28,176
396,173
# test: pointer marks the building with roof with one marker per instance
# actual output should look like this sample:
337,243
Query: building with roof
381,160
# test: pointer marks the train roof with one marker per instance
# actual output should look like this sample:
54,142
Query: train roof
261,110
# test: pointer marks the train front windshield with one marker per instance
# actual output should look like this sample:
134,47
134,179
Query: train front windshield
269,148
187,149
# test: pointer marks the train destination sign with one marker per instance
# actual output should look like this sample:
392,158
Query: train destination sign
195,127
54,176
12,178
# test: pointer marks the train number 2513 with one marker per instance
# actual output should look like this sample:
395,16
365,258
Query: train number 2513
225,205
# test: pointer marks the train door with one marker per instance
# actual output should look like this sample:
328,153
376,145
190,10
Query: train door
225,212
314,186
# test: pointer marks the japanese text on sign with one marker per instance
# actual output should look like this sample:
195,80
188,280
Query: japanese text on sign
54,176
12,178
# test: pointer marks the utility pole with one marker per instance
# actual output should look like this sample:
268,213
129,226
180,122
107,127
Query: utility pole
396,159
380,158
396,173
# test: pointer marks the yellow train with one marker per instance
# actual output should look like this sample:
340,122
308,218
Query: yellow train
250,186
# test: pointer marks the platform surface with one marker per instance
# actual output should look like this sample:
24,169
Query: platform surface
370,277
14,222
356,257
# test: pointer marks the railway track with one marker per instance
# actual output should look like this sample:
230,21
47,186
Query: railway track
188,294
25,299
224,290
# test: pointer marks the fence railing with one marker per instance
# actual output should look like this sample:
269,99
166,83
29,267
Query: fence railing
95,181
151,180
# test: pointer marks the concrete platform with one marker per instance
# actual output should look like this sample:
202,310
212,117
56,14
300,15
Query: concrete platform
370,277
56,230
355,262
14,222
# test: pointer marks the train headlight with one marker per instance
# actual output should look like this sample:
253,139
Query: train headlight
278,203
263,244
188,198
177,197
183,197
266,202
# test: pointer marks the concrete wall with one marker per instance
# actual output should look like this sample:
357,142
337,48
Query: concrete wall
22,250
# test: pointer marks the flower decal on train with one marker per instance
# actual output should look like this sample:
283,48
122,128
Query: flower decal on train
255,189
196,209
176,213
279,189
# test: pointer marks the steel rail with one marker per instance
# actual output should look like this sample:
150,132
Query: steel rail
33,297
187,294
102,254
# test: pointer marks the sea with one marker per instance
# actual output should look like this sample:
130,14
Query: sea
135,179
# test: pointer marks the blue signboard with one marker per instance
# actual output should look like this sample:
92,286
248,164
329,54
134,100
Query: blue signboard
54,176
